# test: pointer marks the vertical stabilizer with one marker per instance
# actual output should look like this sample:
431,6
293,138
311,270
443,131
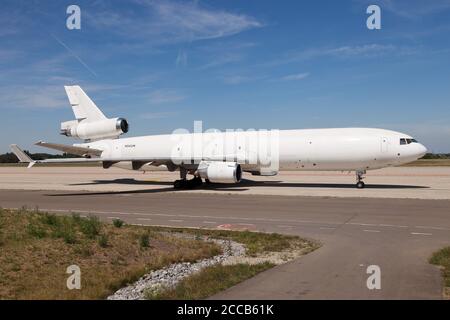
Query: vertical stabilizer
83,107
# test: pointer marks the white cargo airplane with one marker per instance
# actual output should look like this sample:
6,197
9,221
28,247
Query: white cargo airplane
346,149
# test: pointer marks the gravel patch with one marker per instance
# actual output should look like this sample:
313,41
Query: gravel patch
171,275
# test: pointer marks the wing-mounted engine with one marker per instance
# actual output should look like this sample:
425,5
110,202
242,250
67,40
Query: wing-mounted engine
95,130
220,172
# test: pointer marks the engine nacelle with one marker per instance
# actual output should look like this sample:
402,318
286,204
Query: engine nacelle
102,129
220,172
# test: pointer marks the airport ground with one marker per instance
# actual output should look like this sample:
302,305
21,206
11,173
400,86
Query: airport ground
397,222
400,182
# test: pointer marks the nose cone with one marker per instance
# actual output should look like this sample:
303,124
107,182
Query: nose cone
422,150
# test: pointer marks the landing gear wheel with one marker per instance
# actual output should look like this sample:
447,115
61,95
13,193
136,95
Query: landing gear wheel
196,182
207,181
179,184
187,184
359,177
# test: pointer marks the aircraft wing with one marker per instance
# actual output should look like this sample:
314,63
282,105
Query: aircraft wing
24,158
80,151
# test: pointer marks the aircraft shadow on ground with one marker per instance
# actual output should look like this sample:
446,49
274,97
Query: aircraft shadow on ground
242,186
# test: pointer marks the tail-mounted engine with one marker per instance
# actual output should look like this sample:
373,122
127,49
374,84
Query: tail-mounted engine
95,130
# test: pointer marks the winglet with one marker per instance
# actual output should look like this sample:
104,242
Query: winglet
23,157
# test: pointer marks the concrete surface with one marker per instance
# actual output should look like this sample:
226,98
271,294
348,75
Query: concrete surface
402,182
398,235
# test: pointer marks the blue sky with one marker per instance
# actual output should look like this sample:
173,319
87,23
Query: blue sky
230,63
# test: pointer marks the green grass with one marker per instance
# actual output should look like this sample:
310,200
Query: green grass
429,163
36,248
144,240
118,223
442,258
209,281
255,242
103,241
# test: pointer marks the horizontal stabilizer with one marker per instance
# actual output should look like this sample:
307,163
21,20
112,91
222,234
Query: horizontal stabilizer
22,156
80,151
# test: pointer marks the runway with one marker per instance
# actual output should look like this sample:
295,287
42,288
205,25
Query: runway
398,235
401,182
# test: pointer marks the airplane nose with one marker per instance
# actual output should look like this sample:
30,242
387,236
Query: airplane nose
422,150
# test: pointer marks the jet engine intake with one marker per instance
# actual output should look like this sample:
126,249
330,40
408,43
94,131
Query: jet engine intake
220,172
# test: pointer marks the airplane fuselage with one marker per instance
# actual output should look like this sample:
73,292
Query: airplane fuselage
353,149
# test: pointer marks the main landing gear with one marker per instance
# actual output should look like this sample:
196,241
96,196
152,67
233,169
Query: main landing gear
184,183
188,184
359,177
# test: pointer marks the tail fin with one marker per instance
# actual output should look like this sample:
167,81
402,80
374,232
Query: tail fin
22,156
83,107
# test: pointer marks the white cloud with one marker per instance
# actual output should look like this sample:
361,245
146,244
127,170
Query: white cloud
165,96
365,50
158,115
294,77
222,59
181,59
238,79
350,51
219,53
411,9
33,96
173,22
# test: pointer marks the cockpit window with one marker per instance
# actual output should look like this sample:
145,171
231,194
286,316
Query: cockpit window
407,141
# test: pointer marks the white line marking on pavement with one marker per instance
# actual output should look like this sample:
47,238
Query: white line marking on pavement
209,222
371,230
144,219
113,218
246,224
176,220
285,226
327,228
363,224
433,228
421,234
376,225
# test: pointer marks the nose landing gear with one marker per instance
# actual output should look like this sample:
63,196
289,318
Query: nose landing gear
359,177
